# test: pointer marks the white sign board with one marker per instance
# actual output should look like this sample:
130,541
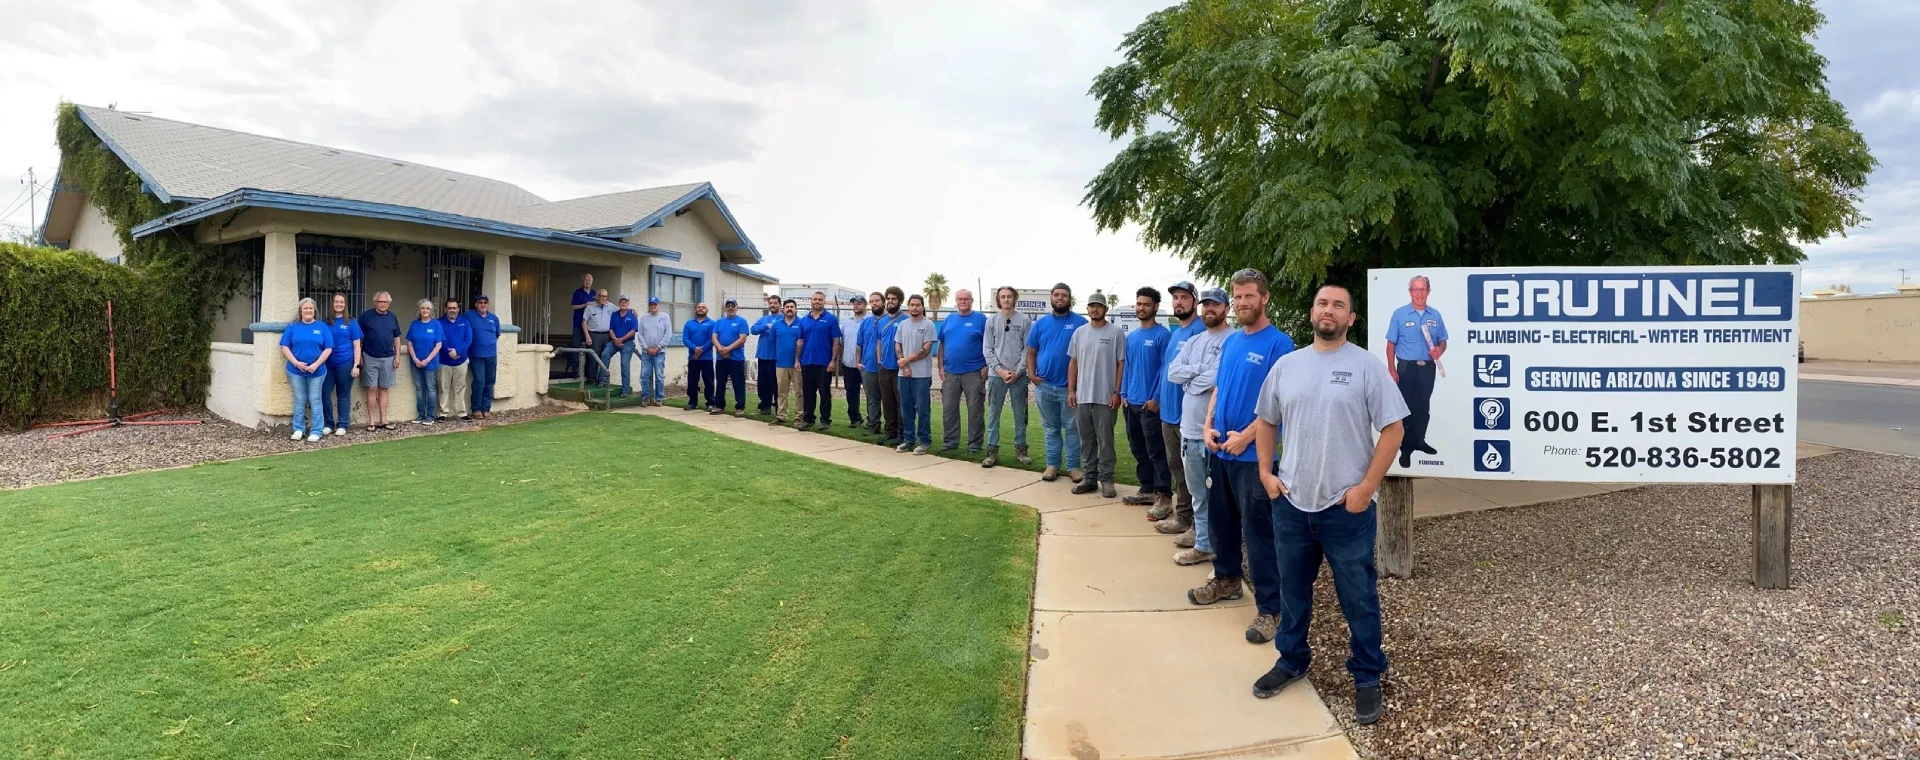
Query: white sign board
1595,374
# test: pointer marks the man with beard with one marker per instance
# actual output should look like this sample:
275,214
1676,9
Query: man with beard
765,368
1184,398
851,378
1047,343
867,339
820,339
697,335
889,356
1140,393
1094,369
1332,399
1237,504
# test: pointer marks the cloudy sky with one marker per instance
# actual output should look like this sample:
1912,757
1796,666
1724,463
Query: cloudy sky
860,143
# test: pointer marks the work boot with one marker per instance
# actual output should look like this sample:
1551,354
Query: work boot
1173,527
1192,556
1216,590
1406,459
1161,510
1020,455
1085,486
1186,540
1138,499
1052,474
1106,490
1260,631
1367,705
992,458
800,425
1075,475
904,448
1274,682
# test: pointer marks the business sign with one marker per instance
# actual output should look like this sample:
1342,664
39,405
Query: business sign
1593,374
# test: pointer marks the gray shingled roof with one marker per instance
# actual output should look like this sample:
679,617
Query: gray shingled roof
192,161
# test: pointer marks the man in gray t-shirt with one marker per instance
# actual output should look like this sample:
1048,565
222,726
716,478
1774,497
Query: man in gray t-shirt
1095,355
913,344
1331,398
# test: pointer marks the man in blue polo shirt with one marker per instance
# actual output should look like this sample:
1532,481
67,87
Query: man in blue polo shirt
456,338
623,331
1416,337
1047,343
730,357
820,338
697,336
380,363
581,298
963,373
484,355
1237,502
1140,391
766,376
785,334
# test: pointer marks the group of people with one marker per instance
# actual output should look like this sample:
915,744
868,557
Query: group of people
453,358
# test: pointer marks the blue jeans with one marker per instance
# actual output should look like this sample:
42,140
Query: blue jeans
337,391
1345,539
916,410
997,393
486,370
653,376
306,400
1056,426
625,350
1193,455
1237,506
426,391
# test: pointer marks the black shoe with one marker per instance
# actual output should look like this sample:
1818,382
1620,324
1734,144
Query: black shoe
1406,459
693,407
889,442
1425,449
1277,680
1367,705
1086,486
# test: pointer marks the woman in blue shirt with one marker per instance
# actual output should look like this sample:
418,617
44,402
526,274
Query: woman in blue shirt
424,339
342,367
307,343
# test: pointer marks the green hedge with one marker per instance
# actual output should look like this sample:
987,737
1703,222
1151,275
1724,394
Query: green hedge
53,337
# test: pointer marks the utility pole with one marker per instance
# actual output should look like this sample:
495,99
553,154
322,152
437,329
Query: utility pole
33,225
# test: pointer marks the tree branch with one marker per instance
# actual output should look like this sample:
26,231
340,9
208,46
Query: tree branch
1704,138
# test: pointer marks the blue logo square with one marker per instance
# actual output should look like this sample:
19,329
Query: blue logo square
1492,456
1492,371
1492,413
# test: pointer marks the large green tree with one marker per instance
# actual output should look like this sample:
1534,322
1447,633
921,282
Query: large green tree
1314,139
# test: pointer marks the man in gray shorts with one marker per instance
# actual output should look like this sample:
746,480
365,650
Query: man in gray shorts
380,355
1096,360
1331,399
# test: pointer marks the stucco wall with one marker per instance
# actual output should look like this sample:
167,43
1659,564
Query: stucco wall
92,232
1862,328
230,394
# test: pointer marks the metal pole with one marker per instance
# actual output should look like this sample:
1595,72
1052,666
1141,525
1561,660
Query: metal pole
32,223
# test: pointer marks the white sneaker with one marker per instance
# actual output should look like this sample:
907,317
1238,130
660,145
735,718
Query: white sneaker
299,434
315,438
340,431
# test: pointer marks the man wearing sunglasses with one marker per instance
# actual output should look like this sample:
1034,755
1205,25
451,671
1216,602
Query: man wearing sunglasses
1005,346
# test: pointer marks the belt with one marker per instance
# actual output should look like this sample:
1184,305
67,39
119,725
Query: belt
1415,362
598,332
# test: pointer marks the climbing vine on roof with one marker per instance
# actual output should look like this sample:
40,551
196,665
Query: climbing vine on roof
53,303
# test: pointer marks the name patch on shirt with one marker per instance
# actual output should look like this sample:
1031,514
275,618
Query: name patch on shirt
1342,377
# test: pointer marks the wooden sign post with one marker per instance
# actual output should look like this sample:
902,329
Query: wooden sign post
1772,536
1393,543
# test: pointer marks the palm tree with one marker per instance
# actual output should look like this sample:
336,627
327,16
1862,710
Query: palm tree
935,290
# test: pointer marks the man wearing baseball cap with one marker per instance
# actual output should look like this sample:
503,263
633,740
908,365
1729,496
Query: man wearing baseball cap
850,373
483,356
1191,372
621,329
1096,359
655,330
730,353
1166,405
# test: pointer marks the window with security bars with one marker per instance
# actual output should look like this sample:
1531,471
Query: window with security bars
679,292
453,273
330,266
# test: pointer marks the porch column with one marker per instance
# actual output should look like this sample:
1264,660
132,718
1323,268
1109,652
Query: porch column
279,278
498,284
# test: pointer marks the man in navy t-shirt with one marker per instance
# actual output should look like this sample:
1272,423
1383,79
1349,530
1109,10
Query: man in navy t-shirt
1237,501
380,358
581,298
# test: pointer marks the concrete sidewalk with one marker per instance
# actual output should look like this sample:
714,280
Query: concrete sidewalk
1120,664
1871,373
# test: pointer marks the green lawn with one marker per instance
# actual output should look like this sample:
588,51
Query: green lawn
596,585
1036,446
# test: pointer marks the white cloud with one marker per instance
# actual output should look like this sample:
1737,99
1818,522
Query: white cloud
1903,104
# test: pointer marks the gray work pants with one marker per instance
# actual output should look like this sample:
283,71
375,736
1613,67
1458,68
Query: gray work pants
973,388
1095,422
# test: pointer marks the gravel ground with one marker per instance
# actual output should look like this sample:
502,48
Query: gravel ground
28,458
1627,626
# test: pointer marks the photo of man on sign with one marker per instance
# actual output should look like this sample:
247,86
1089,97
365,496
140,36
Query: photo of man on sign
1416,338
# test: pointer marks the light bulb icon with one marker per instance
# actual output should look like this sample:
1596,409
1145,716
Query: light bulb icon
1491,410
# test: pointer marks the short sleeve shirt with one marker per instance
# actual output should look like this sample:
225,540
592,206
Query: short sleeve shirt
1409,329
1146,349
911,337
421,337
377,332
1048,338
307,340
1244,363
1333,404
345,332
1095,351
819,334
962,343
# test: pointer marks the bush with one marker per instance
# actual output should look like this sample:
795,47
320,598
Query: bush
53,336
